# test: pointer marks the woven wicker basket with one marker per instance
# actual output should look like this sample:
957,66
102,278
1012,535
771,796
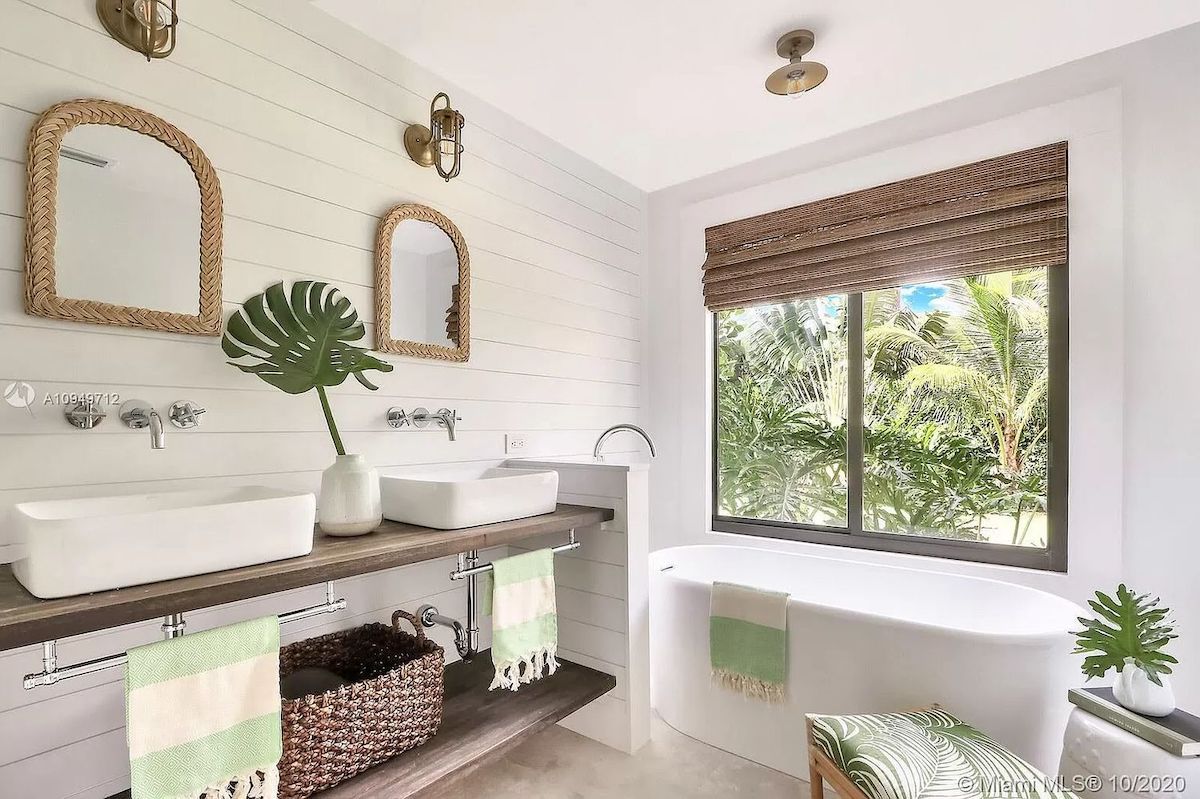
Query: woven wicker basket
392,702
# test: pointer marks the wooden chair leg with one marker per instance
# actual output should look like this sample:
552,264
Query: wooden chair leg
816,782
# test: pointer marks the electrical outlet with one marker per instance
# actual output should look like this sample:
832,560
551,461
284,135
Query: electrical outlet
515,443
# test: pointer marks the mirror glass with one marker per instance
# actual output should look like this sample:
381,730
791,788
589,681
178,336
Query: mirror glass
424,284
128,221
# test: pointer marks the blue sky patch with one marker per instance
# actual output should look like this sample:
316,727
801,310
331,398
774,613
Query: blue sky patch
921,299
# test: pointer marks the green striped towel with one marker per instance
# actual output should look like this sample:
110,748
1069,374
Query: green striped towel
203,714
747,640
524,619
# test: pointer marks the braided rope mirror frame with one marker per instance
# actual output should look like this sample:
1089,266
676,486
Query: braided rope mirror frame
41,229
383,287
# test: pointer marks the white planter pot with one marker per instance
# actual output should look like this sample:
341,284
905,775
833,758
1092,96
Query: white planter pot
349,502
1135,691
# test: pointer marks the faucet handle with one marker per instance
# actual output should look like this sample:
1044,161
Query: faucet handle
85,415
185,414
397,418
135,414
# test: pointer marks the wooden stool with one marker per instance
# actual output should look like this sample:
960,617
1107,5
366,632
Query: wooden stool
914,754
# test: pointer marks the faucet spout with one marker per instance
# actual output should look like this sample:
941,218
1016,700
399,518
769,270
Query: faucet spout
617,428
158,437
447,417
138,415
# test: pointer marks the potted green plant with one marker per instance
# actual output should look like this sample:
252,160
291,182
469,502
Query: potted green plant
300,340
1128,634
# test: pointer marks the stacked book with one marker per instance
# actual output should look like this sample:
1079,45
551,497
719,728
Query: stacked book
1178,733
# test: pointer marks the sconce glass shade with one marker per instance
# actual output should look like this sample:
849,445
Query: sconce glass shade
447,125
147,26
151,14
440,144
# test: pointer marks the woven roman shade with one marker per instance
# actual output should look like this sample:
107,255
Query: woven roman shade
1003,213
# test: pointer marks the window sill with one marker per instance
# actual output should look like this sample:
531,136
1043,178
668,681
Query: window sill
1046,560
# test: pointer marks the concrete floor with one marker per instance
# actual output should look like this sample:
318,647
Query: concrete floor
559,764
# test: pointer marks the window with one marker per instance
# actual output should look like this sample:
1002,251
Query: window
949,414
890,366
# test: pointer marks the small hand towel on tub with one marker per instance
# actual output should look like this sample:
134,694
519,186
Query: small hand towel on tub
747,640
524,619
202,714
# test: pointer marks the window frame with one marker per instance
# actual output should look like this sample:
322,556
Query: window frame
1052,558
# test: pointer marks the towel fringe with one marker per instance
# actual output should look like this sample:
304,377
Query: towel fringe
748,686
260,784
512,674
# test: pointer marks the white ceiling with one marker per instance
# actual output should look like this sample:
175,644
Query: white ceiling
662,91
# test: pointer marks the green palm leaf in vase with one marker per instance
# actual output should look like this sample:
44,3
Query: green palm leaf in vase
1127,627
301,339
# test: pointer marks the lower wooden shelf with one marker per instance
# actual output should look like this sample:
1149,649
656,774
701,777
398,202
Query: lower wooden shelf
478,726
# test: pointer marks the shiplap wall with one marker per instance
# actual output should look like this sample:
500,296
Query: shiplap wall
603,601
302,118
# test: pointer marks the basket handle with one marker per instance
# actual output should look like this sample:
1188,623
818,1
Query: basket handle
411,619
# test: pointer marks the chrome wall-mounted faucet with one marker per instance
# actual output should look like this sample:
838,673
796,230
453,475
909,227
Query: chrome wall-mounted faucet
185,414
420,418
138,415
85,415
612,431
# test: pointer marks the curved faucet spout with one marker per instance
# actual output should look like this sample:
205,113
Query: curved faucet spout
138,415
617,428
158,438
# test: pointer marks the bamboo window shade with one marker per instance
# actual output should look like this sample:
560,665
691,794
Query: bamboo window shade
1004,213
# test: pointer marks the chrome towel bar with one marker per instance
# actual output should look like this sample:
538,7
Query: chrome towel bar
172,627
466,637
462,573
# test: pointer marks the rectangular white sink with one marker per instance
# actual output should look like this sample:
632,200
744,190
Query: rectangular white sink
449,499
77,546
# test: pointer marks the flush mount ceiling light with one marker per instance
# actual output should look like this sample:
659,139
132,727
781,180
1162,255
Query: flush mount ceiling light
799,76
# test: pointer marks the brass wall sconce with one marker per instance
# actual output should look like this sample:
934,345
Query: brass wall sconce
147,26
440,144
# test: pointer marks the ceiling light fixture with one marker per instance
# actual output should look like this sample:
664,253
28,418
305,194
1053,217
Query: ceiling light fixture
148,26
799,76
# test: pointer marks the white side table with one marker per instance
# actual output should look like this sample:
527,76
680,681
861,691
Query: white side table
1126,765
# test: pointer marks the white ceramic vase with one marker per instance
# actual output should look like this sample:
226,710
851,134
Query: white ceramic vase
1135,691
349,502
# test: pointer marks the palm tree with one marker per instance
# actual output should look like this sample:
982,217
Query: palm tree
992,374
991,370
801,346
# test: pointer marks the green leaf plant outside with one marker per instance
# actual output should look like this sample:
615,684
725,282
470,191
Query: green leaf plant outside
1127,626
300,339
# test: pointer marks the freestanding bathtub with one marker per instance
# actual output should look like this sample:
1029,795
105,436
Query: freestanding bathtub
864,638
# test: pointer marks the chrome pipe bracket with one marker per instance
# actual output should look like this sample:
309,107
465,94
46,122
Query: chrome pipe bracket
173,626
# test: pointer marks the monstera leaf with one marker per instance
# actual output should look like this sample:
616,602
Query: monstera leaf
1127,626
300,340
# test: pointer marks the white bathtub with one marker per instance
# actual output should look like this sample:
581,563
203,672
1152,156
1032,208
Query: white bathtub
864,638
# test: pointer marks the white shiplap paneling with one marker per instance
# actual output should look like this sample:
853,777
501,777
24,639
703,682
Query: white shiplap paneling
602,597
302,118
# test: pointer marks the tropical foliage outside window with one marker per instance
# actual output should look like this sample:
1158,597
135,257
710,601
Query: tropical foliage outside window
954,418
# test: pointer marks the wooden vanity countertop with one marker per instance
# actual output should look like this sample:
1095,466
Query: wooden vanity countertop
25,619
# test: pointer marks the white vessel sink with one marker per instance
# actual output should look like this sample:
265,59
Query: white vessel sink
467,497
77,546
